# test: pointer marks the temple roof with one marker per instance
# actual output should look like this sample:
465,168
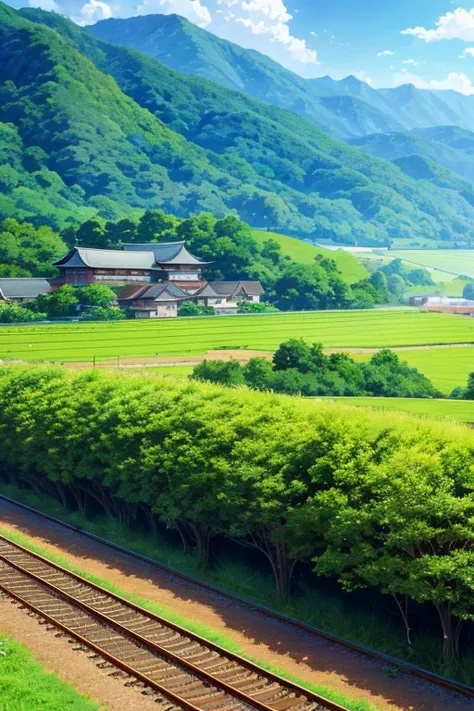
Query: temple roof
167,253
107,259
233,288
155,293
23,288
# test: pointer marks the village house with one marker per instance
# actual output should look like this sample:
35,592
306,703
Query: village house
157,278
23,289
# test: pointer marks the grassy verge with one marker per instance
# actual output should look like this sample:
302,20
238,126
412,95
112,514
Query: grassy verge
26,686
370,623
220,638
460,410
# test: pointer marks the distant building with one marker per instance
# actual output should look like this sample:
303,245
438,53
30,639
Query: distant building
156,279
223,296
139,263
153,300
23,289
444,304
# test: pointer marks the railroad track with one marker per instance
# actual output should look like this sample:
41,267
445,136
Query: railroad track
184,670
389,661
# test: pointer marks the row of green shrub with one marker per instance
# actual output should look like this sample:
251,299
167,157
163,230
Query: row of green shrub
299,368
374,499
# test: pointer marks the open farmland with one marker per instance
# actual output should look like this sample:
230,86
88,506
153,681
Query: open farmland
454,261
445,367
182,336
460,410
351,268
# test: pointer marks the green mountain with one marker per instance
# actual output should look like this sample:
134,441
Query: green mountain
344,108
88,127
451,146
179,44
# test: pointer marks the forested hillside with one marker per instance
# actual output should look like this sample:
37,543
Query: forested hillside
187,48
449,146
149,137
344,108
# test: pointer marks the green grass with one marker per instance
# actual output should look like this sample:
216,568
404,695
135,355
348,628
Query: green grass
331,610
445,367
350,267
455,261
224,640
460,410
340,329
26,686
455,287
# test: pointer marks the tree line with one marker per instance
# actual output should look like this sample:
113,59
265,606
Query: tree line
228,244
375,500
298,368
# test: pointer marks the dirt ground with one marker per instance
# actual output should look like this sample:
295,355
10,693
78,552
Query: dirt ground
243,356
57,654
299,653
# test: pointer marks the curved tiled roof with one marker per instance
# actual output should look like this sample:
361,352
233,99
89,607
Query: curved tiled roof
167,252
107,259
23,288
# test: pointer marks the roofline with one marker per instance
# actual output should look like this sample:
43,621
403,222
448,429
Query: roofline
167,244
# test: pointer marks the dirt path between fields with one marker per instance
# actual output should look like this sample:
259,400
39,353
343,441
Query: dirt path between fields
243,356
299,653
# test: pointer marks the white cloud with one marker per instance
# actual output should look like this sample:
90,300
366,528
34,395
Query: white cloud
269,18
386,53
194,10
453,81
43,4
458,24
92,12
363,76
468,52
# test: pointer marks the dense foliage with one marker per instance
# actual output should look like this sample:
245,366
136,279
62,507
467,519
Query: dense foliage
28,251
100,128
11,312
302,369
374,499
234,252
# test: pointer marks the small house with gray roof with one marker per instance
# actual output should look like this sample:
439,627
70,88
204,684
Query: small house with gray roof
23,289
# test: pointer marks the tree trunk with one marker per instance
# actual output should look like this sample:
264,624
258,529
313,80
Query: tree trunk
281,564
451,630
203,541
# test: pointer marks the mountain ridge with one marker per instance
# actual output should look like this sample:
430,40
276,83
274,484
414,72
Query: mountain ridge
364,110
102,129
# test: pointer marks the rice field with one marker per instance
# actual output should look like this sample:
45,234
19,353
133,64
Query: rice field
82,342
445,367
460,410
455,261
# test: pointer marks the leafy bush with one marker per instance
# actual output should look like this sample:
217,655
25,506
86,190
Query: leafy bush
301,369
375,499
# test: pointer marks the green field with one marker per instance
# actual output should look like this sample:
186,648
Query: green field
455,261
454,287
336,329
349,266
445,367
26,686
461,410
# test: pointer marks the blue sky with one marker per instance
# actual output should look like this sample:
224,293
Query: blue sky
384,42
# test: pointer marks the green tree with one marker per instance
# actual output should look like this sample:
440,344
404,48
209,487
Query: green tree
59,303
95,295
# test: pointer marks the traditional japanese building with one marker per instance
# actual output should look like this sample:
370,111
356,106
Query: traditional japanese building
135,263
153,300
23,289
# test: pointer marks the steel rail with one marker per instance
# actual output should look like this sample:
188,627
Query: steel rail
402,665
304,694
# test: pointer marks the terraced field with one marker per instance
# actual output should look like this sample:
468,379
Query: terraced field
341,329
455,261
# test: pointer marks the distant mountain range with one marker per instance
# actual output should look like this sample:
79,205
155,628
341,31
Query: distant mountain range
346,108
91,128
